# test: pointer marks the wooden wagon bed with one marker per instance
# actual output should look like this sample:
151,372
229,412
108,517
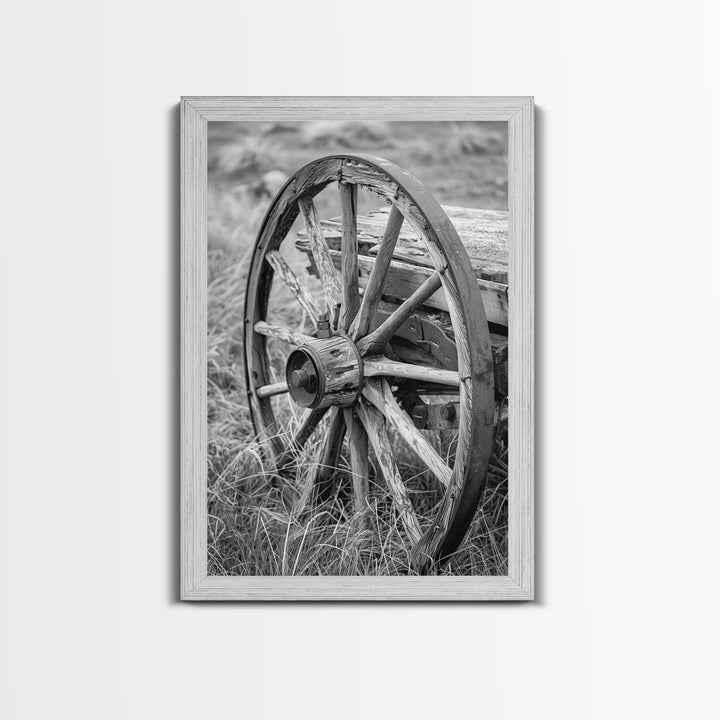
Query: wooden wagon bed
484,233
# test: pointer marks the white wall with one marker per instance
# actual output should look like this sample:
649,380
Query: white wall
626,625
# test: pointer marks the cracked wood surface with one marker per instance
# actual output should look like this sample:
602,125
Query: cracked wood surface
280,266
484,233
374,424
378,392
332,285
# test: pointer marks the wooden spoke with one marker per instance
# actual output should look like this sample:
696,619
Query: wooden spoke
384,367
321,474
376,281
374,423
278,264
349,259
378,392
265,391
307,426
321,254
281,333
376,340
358,441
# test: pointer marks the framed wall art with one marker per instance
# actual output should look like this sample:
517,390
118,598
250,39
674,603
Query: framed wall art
357,348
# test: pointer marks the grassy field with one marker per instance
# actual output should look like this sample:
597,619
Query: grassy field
253,528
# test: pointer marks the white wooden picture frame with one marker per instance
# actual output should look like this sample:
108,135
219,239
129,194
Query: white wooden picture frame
196,584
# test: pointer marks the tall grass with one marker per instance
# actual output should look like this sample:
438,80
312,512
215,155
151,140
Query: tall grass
256,527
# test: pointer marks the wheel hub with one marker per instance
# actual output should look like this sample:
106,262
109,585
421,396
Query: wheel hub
324,372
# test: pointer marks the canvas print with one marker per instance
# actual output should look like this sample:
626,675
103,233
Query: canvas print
357,348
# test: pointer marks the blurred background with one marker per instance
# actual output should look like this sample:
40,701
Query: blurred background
461,163
249,162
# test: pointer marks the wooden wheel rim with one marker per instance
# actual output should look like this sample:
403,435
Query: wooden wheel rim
467,314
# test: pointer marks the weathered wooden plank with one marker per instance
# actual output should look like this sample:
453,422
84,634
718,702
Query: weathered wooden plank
404,279
484,233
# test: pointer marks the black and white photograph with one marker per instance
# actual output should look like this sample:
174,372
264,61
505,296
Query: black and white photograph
357,348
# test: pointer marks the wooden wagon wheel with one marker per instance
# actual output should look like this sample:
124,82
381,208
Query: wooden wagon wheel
340,368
